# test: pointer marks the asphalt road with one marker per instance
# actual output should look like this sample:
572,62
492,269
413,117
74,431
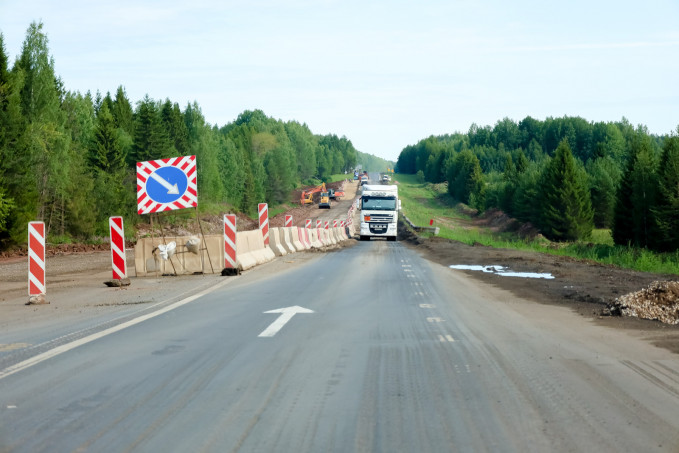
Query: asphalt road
399,355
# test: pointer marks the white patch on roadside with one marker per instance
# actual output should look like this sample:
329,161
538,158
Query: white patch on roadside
501,270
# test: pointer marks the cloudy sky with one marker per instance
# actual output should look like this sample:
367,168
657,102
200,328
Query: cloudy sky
385,74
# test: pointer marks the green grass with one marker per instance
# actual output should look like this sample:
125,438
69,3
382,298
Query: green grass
423,201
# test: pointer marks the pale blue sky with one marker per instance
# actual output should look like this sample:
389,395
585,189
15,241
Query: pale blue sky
383,73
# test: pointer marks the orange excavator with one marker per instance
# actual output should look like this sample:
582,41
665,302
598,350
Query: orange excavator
308,195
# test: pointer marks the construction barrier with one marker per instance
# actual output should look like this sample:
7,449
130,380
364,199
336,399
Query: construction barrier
313,238
185,259
293,237
118,261
264,221
36,258
288,221
246,260
230,242
302,238
308,223
276,243
262,253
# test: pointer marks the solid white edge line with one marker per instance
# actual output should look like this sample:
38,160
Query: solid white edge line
74,344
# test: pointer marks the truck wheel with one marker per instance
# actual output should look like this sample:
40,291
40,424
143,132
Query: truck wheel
391,238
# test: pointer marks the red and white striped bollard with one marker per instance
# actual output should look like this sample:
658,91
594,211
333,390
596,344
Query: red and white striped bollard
230,241
36,262
264,221
118,260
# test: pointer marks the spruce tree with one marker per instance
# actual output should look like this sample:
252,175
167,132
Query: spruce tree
150,137
666,210
566,204
633,222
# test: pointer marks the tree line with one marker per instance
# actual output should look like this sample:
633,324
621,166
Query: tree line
564,175
69,158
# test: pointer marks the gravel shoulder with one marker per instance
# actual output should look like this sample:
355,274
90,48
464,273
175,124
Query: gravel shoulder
585,287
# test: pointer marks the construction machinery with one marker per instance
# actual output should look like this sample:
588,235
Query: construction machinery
325,200
308,195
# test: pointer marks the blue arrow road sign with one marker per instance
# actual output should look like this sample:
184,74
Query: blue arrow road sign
166,184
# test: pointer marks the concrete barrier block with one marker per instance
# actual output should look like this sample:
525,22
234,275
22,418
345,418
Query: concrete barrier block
275,242
210,257
244,258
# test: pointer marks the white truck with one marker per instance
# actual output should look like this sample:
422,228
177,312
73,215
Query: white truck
379,212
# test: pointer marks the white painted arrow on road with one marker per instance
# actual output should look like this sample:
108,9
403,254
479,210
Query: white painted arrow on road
286,315
172,189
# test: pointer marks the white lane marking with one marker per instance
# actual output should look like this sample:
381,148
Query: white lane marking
427,306
11,407
435,319
90,338
446,338
286,315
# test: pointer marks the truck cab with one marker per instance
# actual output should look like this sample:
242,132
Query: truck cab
379,212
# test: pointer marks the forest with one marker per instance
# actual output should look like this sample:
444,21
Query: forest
69,159
566,176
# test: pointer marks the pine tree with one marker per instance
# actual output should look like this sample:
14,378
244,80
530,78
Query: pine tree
666,210
566,206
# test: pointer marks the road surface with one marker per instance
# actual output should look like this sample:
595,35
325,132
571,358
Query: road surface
388,353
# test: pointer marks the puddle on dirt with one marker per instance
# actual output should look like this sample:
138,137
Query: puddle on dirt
500,270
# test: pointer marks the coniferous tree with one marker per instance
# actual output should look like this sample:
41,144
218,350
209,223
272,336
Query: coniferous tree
604,178
566,204
150,137
633,218
106,153
666,211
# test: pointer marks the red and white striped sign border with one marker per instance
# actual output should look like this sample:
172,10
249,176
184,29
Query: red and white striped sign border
36,258
342,224
288,221
230,241
327,224
264,221
308,223
118,261
187,164
334,223
319,224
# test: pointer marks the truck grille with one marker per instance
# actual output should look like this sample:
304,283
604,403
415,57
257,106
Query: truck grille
380,218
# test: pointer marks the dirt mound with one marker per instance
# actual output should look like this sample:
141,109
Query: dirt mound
659,301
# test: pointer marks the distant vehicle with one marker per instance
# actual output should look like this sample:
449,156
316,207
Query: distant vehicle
379,211
364,180
386,178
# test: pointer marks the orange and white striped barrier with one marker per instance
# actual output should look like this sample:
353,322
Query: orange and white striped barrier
264,221
36,258
118,260
230,241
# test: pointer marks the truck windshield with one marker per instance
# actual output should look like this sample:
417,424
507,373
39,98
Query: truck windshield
379,203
